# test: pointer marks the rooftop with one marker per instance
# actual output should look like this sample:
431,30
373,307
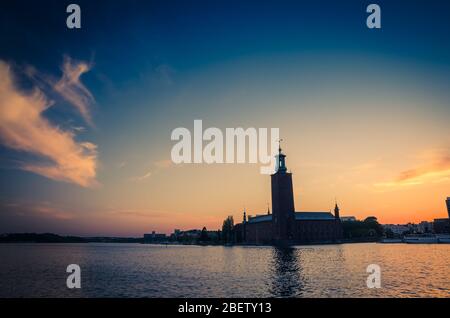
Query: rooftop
314,216
260,218
298,216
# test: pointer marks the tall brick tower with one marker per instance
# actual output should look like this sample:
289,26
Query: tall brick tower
283,210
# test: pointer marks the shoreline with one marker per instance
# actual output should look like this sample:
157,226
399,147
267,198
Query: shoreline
50,238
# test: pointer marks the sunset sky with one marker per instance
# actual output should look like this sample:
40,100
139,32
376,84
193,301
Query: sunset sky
86,115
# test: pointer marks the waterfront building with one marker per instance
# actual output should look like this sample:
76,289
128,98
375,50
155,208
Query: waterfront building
441,226
285,226
425,227
398,229
154,237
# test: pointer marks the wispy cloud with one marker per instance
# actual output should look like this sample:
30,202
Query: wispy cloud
73,90
52,212
142,178
24,128
435,169
136,213
38,209
157,166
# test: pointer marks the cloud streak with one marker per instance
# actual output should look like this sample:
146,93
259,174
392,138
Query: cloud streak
436,170
142,178
24,128
73,90
158,165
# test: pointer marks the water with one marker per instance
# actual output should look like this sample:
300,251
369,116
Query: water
135,270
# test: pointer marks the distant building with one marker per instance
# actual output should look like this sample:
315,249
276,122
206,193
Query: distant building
398,229
285,226
441,226
154,238
448,206
425,227
213,235
348,219
194,234
413,228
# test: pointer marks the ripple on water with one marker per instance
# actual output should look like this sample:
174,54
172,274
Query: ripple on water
134,270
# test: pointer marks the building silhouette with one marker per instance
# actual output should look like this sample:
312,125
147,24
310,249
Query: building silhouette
285,226
442,226
448,206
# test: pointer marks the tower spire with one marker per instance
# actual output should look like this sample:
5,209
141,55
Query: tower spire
281,159
279,145
336,209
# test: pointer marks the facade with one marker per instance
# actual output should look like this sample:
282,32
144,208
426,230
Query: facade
285,226
154,237
425,227
398,229
441,226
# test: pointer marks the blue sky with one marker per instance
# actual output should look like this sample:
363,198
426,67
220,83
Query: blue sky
158,65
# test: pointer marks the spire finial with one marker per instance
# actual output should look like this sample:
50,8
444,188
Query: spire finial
279,145
281,164
336,209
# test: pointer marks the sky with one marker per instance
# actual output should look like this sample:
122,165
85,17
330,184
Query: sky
86,114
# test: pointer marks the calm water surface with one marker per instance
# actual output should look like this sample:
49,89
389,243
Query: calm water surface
135,270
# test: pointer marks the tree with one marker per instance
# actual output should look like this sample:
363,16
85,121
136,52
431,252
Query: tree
204,235
369,228
227,230
372,224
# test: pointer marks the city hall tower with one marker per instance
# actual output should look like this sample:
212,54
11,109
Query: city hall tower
283,209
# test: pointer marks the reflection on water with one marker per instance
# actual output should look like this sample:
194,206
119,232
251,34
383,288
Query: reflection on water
285,273
136,270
